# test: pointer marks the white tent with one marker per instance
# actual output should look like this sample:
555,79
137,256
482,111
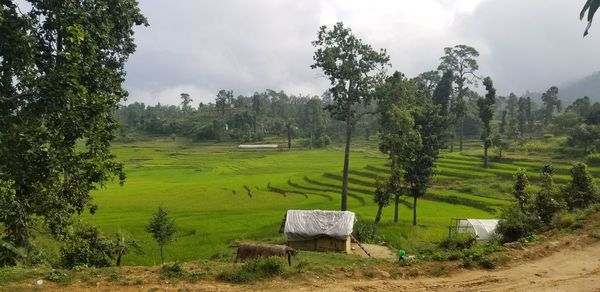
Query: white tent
310,224
483,229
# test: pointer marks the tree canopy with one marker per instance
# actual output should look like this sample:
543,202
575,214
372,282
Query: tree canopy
61,74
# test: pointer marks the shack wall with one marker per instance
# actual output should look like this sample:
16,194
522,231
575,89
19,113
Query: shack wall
323,243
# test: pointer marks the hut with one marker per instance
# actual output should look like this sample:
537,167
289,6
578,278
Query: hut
317,230
482,229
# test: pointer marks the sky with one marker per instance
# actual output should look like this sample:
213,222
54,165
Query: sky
200,47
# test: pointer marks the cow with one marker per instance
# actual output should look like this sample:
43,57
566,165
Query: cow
261,250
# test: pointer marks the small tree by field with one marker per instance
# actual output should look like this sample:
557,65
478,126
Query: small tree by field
382,198
353,69
520,192
582,191
486,113
162,229
548,201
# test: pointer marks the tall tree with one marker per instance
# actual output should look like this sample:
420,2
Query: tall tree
523,115
486,113
551,104
443,92
429,79
61,74
353,69
512,107
462,60
186,102
396,99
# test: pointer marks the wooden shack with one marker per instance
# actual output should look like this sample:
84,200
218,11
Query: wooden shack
318,230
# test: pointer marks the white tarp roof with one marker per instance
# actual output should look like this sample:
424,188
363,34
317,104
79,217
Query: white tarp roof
258,146
482,228
309,224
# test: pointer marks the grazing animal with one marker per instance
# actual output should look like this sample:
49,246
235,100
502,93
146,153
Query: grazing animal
261,250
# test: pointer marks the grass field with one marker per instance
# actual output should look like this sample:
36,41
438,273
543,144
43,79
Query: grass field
219,195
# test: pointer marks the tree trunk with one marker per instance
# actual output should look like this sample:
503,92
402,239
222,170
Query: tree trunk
162,258
378,216
414,210
396,202
346,159
462,131
119,259
289,138
485,156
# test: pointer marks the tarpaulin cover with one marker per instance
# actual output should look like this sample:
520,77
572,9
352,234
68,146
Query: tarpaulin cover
482,228
305,225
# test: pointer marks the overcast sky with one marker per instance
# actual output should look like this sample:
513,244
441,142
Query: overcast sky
199,47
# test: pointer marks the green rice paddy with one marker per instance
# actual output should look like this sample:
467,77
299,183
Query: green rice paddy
220,195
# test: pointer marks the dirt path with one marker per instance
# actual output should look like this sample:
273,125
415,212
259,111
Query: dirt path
568,270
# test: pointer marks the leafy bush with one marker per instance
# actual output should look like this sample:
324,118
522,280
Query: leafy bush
86,246
516,224
593,158
582,191
9,254
365,232
460,242
174,271
254,270
563,220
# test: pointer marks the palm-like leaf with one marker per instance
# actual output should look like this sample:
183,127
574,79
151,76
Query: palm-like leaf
590,7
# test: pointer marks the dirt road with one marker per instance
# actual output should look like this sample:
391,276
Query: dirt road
569,270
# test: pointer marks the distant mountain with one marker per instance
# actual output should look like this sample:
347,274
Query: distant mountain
588,86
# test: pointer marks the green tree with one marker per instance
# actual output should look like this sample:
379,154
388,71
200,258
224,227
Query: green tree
548,201
61,74
500,144
396,100
443,92
551,105
585,135
313,119
429,79
581,191
512,107
486,113
582,106
382,198
421,152
462,60
186,102
162,229
520,188
354,69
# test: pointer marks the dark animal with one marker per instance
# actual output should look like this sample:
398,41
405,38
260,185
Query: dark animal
260,250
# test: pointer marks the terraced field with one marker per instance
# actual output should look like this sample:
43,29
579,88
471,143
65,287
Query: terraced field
219,195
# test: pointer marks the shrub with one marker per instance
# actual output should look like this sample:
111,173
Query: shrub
86,246
365,232
563,220
582,190
593,158
254,270
174,271
460,242
516,224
